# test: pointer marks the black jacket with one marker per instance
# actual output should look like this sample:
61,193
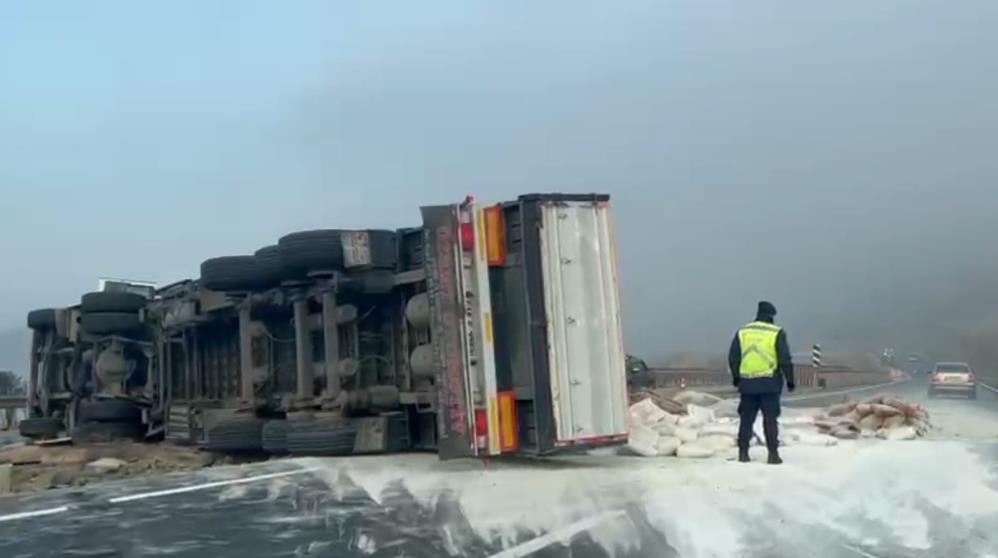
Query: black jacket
784,366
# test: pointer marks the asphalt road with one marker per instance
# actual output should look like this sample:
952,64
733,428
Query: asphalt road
930,498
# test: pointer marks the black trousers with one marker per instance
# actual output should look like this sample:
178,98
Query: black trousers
748,409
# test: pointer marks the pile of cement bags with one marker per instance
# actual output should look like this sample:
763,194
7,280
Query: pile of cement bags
882,416
698,425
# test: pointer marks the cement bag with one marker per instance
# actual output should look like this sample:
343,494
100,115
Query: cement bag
642,441
696,398
689,422
799,419
815,439
687,434
727,408
702,415
884,411
902,433
647,412
844,432
667,445
720,430
826,424
870,422
664,428
717,443
921,427
696,450
894,422
840,410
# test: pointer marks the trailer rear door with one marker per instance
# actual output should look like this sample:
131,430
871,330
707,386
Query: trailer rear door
585,346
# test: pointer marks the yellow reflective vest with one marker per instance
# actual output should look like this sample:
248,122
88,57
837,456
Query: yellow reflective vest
758,344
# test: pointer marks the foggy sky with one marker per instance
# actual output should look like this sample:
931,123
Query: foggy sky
837,158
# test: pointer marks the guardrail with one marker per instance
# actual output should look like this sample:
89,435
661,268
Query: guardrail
805,376
686,377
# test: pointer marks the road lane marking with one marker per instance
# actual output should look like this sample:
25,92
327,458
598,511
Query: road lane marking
994,389
161,493
844,391
558,535
859,551
207,486
30,514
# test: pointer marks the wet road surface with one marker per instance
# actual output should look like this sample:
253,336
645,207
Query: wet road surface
936,497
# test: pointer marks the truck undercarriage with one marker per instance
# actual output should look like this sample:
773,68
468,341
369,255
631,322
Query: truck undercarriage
488,330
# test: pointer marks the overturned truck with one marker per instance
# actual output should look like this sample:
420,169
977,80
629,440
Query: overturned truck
488,330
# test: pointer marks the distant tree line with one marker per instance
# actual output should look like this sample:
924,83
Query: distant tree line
11,383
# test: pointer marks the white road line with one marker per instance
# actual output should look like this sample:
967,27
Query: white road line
859,551
207,486
160,493
565,533
844,391
30,514
992,388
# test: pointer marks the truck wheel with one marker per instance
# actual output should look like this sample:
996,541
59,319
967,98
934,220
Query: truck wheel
332,438
110,410
305,251
107,323
42,319
268,259
242,435
95,432
233,273
275,433
92,303
42,427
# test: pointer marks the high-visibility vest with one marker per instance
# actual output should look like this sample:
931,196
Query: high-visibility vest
759,356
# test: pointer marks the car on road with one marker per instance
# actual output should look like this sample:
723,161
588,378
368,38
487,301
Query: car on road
953,378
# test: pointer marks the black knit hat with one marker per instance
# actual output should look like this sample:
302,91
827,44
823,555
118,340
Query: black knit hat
767,309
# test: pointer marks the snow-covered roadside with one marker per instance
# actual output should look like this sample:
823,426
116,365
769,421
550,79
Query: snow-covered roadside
865,494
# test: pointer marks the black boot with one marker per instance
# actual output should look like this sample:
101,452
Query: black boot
774,457
743,456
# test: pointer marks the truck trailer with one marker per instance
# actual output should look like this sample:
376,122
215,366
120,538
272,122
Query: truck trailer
489,330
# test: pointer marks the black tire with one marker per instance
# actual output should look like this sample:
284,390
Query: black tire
42,319
268,259
307,251
275,433
42,427
242,435
233,273
107,432
92,303
110,410
108,323
326,439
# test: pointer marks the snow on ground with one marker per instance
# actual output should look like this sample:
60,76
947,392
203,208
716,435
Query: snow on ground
870,492
928,498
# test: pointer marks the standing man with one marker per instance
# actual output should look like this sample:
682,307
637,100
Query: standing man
760,362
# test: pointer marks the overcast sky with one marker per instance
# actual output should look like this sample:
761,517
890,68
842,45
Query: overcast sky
837,158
